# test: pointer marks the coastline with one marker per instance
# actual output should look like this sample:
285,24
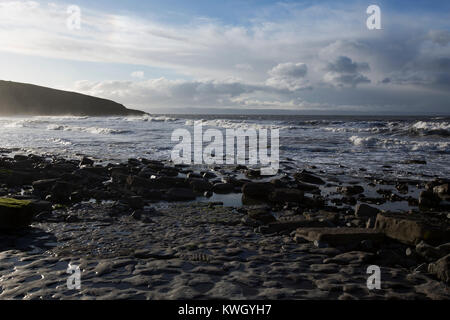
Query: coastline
146,229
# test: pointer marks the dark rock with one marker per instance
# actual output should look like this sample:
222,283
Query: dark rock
427,252
180,194
286,195
411,229
428,199
61,191
76,196
15,214
223,188
304,176
137,215
136,183
281,226
350,190
135,202
251,173
193,175
200,185
339,236
307,187
86,162
209,175
442,189
415,161
257,190
261,214
44,185
364,210
441,269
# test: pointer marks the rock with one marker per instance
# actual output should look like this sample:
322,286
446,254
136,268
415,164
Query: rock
76,196
137,214
135,202
428,199
42,186
304,176
261,214
61,191
415,161
247,221
86,162
180,194
292,225
350,190
339,236
209,175
251,173
193,175
410,229
364,210
431,253
136,183
41,206
353,257
257,190
200,185
307,187
286,195
442,189
441,269
15,214
223,188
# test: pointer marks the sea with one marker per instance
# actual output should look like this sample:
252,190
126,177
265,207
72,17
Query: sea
349,144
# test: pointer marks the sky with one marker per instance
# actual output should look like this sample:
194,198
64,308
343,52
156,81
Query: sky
186,56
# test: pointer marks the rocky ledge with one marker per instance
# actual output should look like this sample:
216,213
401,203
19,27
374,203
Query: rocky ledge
147,229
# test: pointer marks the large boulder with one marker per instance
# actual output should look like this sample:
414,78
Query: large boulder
15,214
411,229
339,236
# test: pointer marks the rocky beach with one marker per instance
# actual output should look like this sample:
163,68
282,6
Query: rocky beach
148,229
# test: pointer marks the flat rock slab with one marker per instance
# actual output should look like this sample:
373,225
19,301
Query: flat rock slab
292,225
411,229
339,236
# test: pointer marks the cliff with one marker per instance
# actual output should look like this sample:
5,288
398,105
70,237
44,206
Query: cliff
18,99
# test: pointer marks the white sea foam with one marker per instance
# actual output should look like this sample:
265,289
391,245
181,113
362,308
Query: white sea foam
94,130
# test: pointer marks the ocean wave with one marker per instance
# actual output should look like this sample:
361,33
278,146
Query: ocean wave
364,141
24,123
93,130
426,128
403,145
148,118
233,124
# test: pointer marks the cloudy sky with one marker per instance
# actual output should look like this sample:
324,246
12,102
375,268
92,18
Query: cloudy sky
202,55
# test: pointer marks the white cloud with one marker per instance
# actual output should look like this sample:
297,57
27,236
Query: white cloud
138,74
290,76
262,56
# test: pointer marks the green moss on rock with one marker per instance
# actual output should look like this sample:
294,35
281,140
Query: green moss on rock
15,214
14,203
